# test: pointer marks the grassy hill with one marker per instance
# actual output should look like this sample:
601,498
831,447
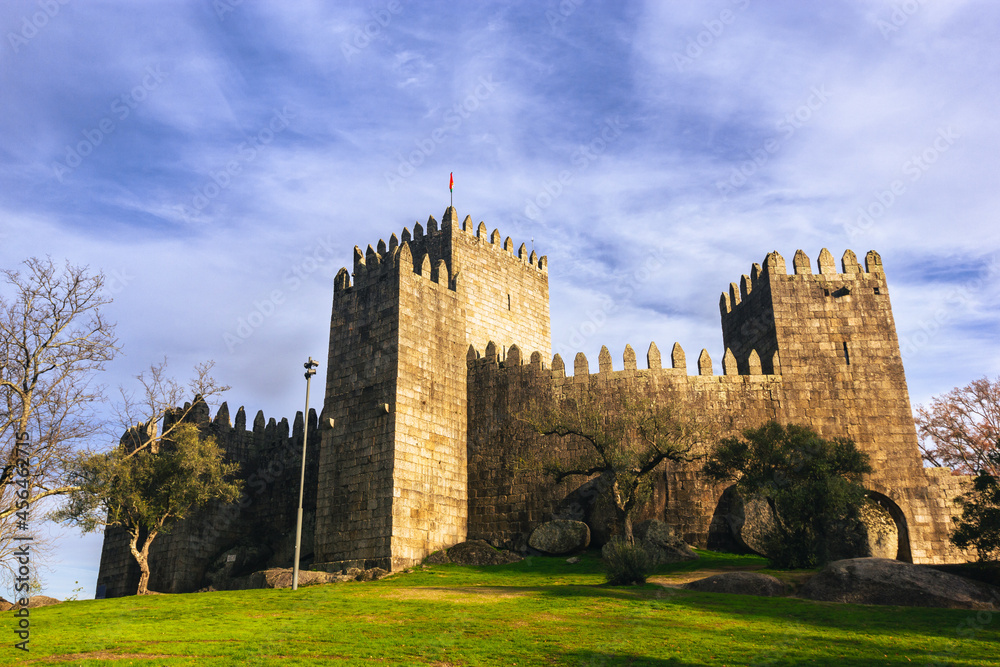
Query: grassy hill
542,611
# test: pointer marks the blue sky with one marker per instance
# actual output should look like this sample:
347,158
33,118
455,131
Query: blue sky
219,159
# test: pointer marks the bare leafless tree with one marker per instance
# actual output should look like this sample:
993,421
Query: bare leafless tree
53,339
140,414
959,429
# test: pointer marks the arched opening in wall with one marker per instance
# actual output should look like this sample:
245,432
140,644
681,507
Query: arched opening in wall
881,535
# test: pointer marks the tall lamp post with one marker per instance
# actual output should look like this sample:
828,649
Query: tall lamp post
310,367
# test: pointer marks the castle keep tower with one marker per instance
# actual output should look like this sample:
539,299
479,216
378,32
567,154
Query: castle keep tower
393,476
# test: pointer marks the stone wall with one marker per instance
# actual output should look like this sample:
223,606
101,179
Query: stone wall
509,493
354,512
815,349
429,482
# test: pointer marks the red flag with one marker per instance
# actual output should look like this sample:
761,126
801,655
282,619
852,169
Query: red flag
451,182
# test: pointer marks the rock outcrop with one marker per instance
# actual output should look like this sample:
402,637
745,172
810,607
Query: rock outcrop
740,583
472,552
660,542
281,577
877,536
41,601
561,536
893,582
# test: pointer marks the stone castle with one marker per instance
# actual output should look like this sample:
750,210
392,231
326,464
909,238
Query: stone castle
441,336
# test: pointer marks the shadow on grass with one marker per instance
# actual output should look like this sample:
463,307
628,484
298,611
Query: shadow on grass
596,658
931,621
590,563
554,578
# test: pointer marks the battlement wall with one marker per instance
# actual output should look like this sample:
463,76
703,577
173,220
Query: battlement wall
509,495
774,267
433,250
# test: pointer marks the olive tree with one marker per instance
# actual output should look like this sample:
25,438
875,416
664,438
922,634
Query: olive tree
148,490
625,437
161,469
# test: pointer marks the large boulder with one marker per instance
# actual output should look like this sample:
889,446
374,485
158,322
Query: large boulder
740,583
438,558
372,574
561,536
750,521
282,578
41,601
885,581
880,537
660,542
472,552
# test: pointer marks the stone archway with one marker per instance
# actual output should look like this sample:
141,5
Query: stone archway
889,506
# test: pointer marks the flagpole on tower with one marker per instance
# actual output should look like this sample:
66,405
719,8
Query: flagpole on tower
451,188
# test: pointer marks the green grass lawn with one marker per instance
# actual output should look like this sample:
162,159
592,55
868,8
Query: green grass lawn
542,611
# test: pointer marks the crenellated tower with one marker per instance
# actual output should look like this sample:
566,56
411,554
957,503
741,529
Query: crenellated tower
831,325
832,338
393,477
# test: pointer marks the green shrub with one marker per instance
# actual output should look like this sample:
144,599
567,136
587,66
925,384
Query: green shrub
625,563
813,486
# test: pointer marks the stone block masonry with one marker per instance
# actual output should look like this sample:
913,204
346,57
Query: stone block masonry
815,349
440,337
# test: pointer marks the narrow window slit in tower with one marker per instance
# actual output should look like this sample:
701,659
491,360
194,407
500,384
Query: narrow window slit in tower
876,290
508,302
847,355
